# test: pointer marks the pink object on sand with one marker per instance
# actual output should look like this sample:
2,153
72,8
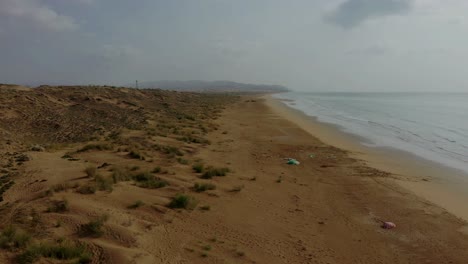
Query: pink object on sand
388,225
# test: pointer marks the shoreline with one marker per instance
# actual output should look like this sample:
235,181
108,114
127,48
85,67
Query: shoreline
426,179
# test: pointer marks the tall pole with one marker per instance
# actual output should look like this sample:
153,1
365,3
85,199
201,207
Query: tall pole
136,84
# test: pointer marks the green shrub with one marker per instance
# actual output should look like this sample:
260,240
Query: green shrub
207,247
182,161
198,168
143,176
93,228
192,139
182,201
211,172
91,171
104,183
136,155
120,174
201,187
148,180
12,237
159,170
61,251
101,147
59,206
60,187
156,183
87,189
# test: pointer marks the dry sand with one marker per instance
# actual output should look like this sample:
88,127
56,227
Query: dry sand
326,210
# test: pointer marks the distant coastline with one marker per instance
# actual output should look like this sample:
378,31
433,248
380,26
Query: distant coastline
213,86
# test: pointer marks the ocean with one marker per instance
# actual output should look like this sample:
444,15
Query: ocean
433,126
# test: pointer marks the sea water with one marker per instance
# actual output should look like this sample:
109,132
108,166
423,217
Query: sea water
433,126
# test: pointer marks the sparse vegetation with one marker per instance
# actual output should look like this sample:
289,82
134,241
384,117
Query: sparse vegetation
171,151
104,183
160,170
58,206
192,139
182,161
87,189
136,204
201,187
91,171
94,227
121,174
198,167
136,155
12,237
182,201
207,247
99,146
211,172
60,187
148,180
60,251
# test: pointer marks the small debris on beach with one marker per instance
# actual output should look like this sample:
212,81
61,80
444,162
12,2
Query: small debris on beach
292,161
388,225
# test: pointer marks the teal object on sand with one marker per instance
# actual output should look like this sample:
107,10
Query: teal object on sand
293,162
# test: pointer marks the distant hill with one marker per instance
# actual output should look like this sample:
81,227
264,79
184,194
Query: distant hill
215,86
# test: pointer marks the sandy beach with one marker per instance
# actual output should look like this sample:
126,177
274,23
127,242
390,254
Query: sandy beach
439,184
327,209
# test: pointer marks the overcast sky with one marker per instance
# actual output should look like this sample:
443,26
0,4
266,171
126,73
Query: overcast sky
321,45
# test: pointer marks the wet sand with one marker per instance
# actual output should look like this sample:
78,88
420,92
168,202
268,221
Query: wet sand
439,184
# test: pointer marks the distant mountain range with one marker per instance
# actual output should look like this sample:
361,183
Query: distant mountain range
215,86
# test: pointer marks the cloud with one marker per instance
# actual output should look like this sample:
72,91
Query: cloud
372,51
235,49
351,13
37,15
111,52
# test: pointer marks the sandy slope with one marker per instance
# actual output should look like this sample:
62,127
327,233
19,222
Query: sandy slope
326,210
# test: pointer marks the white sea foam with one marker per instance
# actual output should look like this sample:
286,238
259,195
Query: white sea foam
432,126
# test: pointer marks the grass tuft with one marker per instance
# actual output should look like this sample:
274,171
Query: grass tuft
87,189
136,155
59,206
91,171
93,228
104,183
12,237
201,187
61,251
100,147
198,168
182,201
148,180
211,172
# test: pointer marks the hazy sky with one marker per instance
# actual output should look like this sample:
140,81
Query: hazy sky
334,45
